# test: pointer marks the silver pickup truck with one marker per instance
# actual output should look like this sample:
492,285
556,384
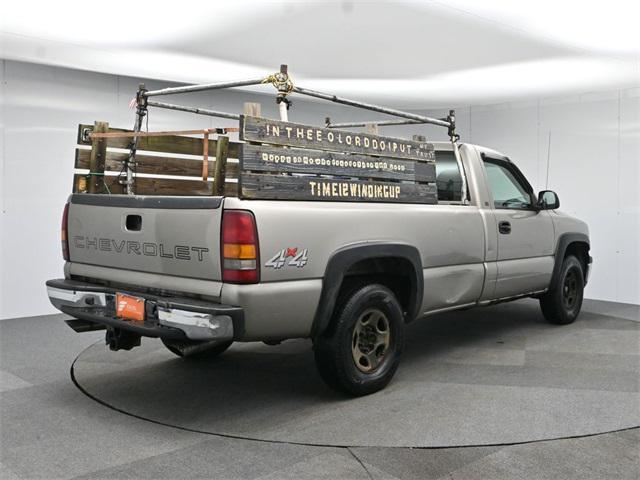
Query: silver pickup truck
202,272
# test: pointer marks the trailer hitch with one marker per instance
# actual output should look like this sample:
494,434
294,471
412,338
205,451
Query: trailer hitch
119,339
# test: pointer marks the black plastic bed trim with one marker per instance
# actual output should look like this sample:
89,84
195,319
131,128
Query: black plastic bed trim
135,201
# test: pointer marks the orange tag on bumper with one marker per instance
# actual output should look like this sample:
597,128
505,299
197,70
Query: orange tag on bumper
129,308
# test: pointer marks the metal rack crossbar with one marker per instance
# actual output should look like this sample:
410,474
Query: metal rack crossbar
198,111
284,86
380,123
374,108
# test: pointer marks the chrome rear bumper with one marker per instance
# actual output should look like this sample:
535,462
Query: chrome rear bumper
167,317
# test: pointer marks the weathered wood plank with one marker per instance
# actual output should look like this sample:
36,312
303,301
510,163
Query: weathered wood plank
157,186
168,144
154,165
97,159
253,109
266,158
256,129
372,128
273,187
221,164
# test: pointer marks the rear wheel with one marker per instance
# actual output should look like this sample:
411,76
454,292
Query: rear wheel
360,351
196,350
562,305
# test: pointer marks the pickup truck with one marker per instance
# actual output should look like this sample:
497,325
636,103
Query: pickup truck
202,272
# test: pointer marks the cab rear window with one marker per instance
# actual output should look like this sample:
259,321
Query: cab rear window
448,178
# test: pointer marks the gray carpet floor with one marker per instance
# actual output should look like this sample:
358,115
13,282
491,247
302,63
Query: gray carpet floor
50,429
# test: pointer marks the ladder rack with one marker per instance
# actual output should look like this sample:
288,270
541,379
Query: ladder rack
271,162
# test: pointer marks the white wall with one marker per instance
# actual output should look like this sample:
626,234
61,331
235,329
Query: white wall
2,182
40,109
595,149
587,149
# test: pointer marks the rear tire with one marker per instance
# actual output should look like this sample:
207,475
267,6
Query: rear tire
562,305
360,351
192,350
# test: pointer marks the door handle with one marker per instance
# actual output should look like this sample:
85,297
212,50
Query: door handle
504,227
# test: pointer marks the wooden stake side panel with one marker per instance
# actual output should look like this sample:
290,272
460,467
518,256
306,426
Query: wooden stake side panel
267,158
281,187
105,159
263,130
297,162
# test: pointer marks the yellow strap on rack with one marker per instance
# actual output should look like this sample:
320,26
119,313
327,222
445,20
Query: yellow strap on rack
281,81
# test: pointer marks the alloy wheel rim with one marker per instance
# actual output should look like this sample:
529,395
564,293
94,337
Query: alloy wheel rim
370,340
570,289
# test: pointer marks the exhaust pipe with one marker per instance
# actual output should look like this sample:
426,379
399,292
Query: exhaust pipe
188,349
80,326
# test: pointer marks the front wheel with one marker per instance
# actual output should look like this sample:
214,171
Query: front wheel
360,352
562,305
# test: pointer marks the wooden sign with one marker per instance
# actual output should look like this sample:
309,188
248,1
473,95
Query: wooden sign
263,186
266,158
262,130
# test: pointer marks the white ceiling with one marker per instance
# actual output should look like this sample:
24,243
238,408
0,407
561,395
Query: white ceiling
412,54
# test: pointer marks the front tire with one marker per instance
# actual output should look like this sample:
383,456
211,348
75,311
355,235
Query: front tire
360,351
562,305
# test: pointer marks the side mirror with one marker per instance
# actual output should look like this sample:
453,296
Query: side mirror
548,200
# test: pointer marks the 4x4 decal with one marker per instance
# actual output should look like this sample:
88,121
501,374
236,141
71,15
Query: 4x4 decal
292,257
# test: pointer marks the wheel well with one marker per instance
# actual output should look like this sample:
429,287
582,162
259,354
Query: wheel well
397,266
581,251
395,273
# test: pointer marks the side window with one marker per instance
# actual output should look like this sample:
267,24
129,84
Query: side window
448,179
507,190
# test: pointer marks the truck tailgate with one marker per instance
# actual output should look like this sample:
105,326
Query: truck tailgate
166,235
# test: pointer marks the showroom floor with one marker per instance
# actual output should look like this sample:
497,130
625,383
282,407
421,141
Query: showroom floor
499,377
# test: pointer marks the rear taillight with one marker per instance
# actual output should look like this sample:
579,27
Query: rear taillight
64,236
240,252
